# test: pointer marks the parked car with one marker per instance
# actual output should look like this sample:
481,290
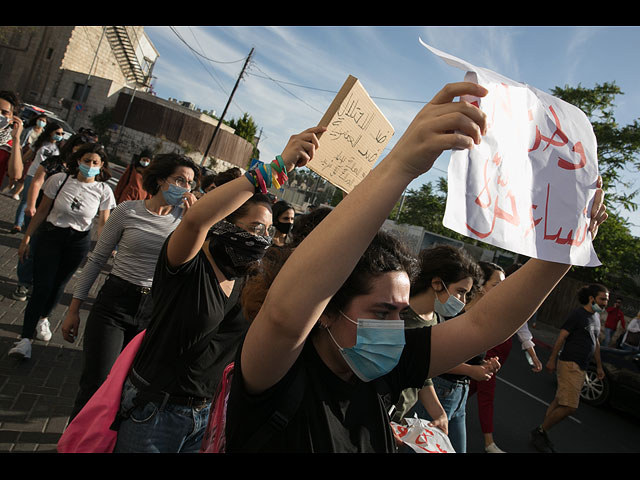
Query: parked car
620,387
30,111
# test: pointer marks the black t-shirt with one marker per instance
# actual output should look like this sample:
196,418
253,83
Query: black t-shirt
189,305
583,328
333,415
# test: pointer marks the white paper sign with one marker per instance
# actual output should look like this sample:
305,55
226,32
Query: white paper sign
421,437
529,186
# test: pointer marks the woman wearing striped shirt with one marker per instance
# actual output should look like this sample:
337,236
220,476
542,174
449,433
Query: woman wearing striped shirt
138,228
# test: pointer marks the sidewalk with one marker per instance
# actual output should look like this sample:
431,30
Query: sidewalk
36,396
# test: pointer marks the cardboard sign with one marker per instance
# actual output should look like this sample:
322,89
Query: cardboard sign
529,186
357,133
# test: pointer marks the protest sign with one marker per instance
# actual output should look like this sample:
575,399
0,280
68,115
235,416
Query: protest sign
529,186
357,133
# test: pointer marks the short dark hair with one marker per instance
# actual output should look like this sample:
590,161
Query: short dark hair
13,99
385,254
591,290
488,268
162,167
450,264
74,159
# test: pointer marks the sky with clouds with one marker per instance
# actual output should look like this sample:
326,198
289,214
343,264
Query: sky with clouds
295,72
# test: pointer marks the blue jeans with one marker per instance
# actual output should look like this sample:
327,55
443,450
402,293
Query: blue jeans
19,220
154,428
453,397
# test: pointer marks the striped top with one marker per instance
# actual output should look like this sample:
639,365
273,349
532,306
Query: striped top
139,235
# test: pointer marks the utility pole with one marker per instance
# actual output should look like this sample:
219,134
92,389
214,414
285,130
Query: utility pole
215,132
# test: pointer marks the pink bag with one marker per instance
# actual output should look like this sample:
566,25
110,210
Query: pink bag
214,440
90,431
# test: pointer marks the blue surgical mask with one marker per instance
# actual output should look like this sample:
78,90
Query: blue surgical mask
87,171
57,138
144,163
452,307
41,123
377,350
597,308
173,196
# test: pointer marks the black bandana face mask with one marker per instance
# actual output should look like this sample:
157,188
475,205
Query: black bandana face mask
234,250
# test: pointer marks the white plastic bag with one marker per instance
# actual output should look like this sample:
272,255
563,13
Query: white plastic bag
421,437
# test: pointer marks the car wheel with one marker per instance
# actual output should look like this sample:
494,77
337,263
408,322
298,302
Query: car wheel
594,391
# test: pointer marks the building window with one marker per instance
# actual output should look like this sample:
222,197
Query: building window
49,54
77,92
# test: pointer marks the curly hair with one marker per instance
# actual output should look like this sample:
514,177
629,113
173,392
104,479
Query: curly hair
385,254
450,264
74,159
162,167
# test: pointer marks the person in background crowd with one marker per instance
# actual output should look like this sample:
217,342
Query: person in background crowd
494,274
32,131
446,276
138,228
283,216
130,185
631,338
201,270
615,315
63,219
45,146
10,131
577,343
329,327
209,182
48,167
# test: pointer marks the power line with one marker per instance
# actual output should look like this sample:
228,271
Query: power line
334,91
201,55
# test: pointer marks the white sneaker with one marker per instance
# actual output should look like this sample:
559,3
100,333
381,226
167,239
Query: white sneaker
493,448
22,349
42,330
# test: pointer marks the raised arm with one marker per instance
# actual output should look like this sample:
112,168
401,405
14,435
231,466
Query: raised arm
190,235
15,166
324,260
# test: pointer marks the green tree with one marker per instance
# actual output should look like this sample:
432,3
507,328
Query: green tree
246,128
618,146
618,149
425,207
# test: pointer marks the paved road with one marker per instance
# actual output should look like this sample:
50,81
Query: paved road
36,396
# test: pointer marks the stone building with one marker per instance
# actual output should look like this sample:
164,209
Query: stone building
79,72
75,71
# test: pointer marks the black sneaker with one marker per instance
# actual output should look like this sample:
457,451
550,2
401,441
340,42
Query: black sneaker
540,441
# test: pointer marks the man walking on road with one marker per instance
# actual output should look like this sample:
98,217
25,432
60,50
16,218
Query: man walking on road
577,343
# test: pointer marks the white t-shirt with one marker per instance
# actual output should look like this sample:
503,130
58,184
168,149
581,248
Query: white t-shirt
77,202
45,151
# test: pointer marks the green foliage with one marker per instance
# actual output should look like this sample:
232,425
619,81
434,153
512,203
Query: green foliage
618,149
618,146
246,128
425,208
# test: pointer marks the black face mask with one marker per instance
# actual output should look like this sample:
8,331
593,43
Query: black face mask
283,227
234,250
